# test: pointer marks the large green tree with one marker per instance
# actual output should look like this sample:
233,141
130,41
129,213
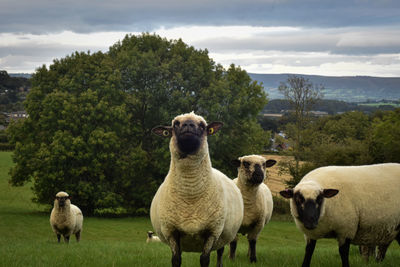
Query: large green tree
91,115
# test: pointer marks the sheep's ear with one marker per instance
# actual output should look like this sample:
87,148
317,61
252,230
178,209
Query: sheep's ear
328,193
270,163
163,131
287,193
214,127
236,163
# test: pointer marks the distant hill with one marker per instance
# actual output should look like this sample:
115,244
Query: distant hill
21,75
349,89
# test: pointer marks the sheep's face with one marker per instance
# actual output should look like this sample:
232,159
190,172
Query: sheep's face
189,133
251,169
150,234
308,202
62,199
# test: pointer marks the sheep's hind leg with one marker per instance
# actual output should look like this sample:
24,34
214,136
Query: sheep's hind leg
205,255
252,250
66,239
58,238
381,252
78,236
220,252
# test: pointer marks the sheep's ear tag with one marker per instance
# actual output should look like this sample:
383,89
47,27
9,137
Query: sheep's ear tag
214,127
163,131
287,193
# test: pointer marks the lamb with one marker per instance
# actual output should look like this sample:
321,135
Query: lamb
257,200
66,219
197,208
354,204
152,238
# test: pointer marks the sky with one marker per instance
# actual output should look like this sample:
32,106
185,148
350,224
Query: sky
320,37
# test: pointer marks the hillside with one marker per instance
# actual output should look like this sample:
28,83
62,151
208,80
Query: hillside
349,89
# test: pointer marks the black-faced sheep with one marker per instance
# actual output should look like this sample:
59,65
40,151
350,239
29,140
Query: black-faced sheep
355,204
66,219
197,208
257,200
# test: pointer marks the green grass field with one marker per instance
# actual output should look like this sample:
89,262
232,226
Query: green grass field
26,239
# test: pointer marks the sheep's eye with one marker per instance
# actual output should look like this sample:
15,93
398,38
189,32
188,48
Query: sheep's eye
300,199
246,164
176,123
202,126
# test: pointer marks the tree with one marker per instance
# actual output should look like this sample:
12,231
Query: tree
385,137
302,95
91,115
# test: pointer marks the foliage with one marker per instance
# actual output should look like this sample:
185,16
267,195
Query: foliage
91,115
385,137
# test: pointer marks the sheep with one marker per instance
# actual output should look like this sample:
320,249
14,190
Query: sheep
197,208
354,204
257,200
66,219
151,237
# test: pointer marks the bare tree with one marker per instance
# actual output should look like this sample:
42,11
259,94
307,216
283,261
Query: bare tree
302,96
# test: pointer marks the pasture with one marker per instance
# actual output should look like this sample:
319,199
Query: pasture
26,239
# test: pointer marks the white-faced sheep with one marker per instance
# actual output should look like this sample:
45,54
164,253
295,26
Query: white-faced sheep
197,208
257,199
66,219
354,204
151,237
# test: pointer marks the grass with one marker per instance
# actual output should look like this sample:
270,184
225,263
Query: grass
26,239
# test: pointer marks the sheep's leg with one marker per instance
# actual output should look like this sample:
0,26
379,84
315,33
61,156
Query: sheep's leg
58,238
309,252
205,255
232,248
174,243
366,251
220,252
344,253
381,252
66,239
252,250
78,236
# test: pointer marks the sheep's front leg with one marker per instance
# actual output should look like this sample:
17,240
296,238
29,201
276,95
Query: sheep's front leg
205,255
344,253
232,248
220,252
58,238
309,251
66,239
174,243
381,252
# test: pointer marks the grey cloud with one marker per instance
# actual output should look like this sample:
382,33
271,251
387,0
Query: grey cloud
43,16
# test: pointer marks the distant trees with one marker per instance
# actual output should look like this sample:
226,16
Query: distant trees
91,115
12,91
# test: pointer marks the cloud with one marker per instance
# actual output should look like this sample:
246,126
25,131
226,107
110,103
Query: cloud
46,16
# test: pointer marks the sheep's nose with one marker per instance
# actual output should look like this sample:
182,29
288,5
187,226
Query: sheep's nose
188,124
